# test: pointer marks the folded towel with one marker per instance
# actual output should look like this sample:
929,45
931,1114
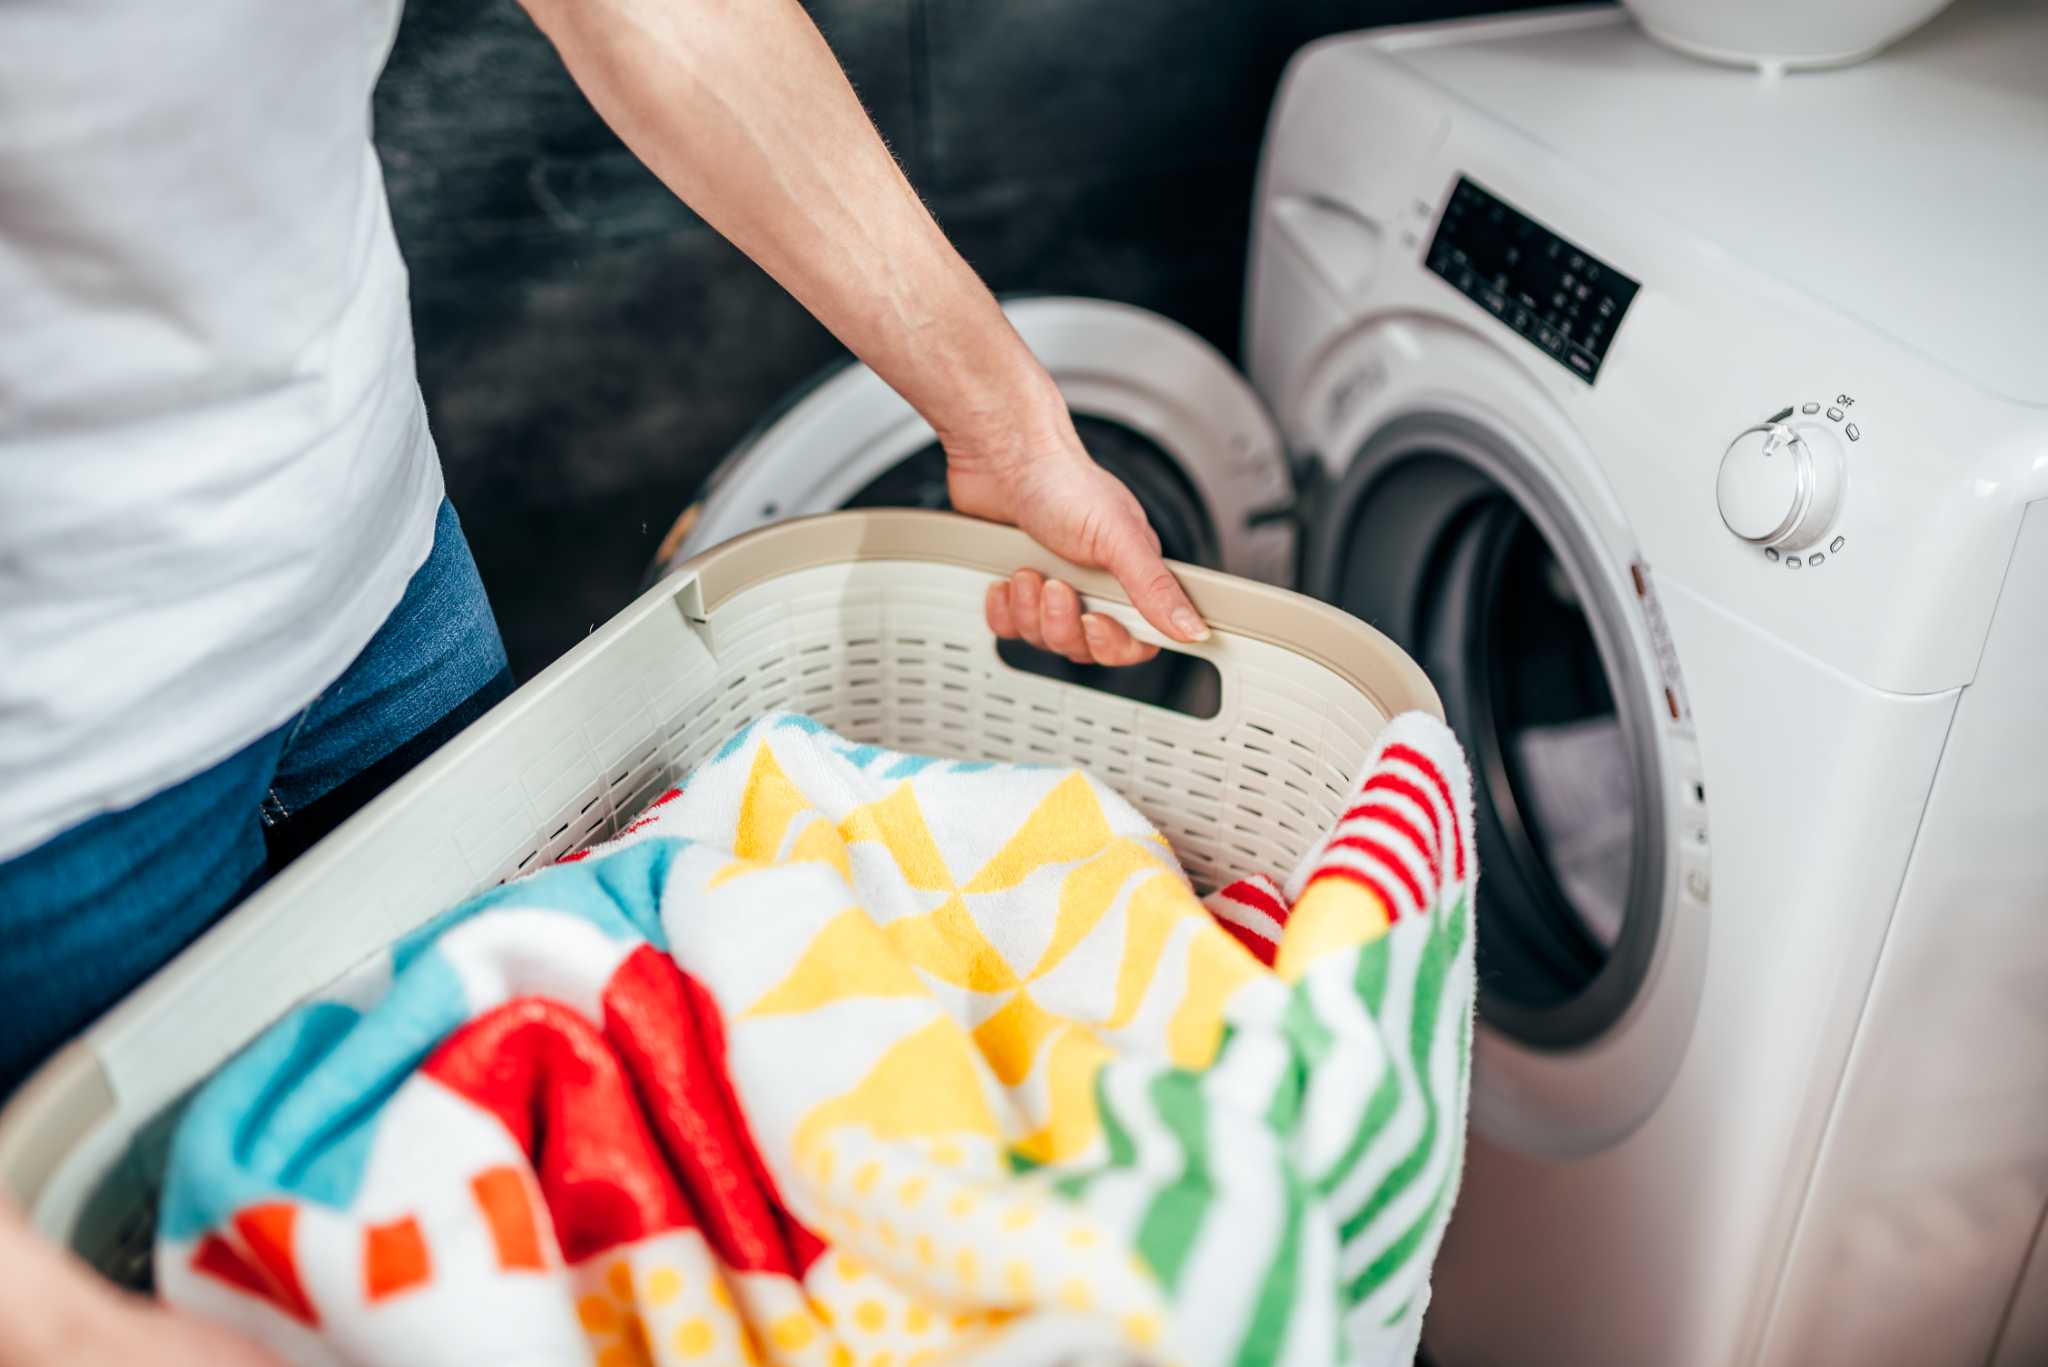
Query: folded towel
840,1055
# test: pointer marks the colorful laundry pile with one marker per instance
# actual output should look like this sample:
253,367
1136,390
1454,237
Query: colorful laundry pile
840,1055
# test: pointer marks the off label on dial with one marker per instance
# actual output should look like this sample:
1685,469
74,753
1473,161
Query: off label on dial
1838,412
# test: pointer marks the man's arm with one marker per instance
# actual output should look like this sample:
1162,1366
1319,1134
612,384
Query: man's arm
739,106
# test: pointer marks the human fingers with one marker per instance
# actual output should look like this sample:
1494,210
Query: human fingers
1111,644
996,608
1027,606
1060,623
1134,559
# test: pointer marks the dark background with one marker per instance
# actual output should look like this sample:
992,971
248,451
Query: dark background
590,349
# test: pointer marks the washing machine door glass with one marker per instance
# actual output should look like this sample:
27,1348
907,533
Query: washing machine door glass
1447,540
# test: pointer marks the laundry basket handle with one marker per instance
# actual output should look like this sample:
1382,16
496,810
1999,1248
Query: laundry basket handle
1231,606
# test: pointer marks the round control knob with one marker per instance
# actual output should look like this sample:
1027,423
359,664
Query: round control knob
1781,484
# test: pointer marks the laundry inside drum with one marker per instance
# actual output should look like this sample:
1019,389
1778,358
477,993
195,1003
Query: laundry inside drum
1558,815
1566,760
1575,781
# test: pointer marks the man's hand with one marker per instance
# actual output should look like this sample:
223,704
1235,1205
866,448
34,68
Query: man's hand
54,1311
1079,511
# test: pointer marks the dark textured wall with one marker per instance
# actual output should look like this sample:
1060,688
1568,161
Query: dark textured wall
589,348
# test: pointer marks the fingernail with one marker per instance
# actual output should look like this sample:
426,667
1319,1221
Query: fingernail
1091,625
1190,625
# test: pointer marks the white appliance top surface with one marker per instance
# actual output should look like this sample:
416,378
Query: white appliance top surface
1910,191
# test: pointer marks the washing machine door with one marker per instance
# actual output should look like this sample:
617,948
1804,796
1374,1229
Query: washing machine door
1459,513
1156,405
1447,547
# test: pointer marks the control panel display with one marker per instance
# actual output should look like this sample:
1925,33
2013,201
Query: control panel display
1562,300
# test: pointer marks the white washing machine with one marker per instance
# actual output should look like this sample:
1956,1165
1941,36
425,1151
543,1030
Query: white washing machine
1691,428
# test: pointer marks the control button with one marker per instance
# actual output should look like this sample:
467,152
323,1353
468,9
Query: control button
1791,562
1834,415
1836,545
1780,484
1810,408
1770,552
1696,883
1762,486
1815,558
1854,435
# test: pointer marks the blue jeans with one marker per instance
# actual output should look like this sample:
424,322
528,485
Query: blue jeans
90,913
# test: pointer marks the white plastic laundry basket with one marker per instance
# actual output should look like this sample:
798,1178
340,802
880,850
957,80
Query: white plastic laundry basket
870,622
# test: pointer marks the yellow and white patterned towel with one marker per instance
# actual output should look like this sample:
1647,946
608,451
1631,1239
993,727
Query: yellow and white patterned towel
843,1056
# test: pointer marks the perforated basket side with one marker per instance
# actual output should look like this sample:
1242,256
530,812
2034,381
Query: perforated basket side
895,653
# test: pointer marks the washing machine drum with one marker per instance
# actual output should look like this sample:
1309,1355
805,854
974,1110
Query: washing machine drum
1455,546
1153,404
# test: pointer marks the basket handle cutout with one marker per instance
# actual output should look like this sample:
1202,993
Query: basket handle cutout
1173,679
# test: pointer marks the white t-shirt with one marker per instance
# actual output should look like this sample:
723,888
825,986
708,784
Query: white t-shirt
215,471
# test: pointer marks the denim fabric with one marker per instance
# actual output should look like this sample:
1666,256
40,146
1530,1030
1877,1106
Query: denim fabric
90,913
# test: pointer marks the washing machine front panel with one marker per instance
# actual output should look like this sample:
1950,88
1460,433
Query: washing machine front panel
1666,1246
1889,570
1933,1174
1665,1150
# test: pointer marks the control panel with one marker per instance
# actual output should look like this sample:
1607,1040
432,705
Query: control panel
1558,297
1783,482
